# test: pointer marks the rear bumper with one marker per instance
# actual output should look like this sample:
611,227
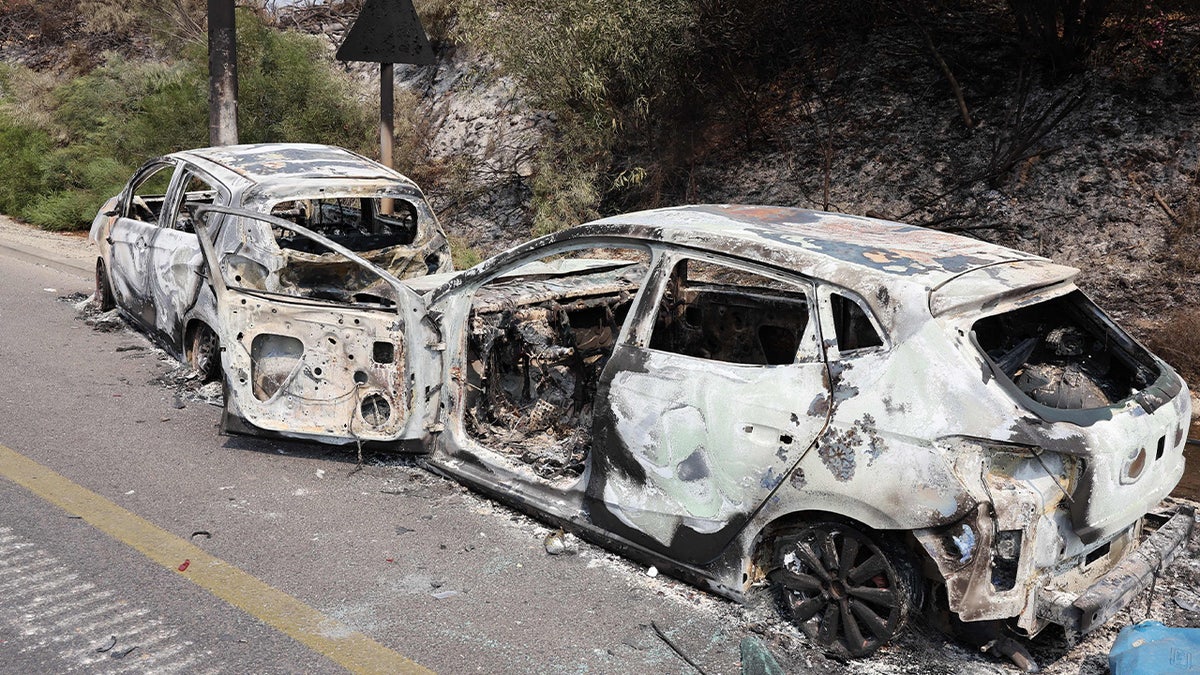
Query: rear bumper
1116,590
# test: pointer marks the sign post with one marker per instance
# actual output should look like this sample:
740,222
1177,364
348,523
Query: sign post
387,32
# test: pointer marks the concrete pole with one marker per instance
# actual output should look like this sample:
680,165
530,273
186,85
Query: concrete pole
386,131
222,74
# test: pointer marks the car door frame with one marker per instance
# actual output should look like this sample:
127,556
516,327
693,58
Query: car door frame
176,260
407,327
571,504
611,457
454,452
130,238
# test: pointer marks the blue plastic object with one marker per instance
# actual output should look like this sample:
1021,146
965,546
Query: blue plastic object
1150,648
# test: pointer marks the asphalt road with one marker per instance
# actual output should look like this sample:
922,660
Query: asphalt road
135,538
307,565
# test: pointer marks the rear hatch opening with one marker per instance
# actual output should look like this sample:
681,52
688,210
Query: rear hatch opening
1064,353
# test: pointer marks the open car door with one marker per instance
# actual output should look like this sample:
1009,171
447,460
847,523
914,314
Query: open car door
316,342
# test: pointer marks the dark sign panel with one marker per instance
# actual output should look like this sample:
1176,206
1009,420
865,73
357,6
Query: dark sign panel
387,31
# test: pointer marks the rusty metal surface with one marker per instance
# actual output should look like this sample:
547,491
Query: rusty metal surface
921,434
1118,588
161,280
282,161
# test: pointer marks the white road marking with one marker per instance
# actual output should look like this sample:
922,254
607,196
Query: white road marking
51,610
38,617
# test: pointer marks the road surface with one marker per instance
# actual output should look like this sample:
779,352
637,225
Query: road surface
295,562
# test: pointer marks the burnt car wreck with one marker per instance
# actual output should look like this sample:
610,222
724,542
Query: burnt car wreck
149,263
869,417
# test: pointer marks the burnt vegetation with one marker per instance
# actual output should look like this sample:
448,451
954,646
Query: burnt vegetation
944,114
1040,125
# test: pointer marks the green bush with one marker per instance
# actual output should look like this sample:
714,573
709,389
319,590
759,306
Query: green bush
601,68
129,111
22,173
69,209
98,128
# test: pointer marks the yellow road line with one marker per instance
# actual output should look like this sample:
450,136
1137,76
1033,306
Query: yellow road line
352,650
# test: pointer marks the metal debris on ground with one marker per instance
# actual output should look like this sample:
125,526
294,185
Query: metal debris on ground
555,542
123,654
1186,605
189,387
106,322
675,648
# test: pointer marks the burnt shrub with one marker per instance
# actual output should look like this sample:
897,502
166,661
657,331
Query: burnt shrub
1177,341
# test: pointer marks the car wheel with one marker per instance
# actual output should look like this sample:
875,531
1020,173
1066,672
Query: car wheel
103,294
204,352
846,592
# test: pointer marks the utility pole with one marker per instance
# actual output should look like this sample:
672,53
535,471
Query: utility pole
222,74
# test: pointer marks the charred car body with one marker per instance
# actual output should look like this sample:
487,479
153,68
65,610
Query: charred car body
150,265
852,410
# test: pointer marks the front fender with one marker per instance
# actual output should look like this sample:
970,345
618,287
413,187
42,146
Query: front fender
102,224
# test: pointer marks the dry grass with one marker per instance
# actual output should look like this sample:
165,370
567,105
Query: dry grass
1177,341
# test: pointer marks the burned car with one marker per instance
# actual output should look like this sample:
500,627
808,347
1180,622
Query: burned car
868,416
149,262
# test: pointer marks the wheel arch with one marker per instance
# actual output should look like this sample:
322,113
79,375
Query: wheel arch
762,545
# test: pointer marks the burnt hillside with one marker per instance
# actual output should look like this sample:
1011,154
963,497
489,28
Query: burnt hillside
1071,129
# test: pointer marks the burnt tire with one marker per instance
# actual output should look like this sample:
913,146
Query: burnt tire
103,294
849,591
204,352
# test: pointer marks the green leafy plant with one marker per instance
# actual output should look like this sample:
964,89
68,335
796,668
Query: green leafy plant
70,146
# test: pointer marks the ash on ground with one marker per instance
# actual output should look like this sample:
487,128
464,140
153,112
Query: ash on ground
180,378
922,648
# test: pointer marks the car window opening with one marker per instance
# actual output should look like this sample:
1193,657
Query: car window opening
1059,354
148,197
852,326
358,223
535,350
714,312
196,193
322,274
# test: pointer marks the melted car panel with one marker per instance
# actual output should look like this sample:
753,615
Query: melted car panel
837,405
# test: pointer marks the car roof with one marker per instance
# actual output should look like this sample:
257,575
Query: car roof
853,251
281,162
